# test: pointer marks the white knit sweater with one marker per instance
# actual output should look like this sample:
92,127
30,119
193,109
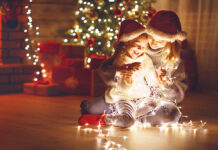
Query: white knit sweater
142,80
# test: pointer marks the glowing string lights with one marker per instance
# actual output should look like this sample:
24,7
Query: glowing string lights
31,47
106,133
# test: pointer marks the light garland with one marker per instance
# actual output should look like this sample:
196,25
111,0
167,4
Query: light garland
106,133
31,44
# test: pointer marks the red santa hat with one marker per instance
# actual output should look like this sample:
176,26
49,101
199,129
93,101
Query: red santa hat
130,30
165,25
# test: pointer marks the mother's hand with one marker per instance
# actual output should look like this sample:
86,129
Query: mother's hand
127,70
130,67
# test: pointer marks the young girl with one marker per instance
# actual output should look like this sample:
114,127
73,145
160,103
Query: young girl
130,54
164,36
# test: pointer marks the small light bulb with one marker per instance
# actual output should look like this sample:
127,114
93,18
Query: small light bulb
88,60
43,70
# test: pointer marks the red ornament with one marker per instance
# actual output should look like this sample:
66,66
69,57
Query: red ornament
151,13
118,12
90,41
76,36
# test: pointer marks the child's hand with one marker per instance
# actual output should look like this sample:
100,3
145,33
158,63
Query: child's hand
129,67
161,75
127,70
134,66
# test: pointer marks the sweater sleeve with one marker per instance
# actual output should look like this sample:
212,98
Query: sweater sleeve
107,72
176,91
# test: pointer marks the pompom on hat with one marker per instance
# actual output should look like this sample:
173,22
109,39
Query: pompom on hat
165,25
130,30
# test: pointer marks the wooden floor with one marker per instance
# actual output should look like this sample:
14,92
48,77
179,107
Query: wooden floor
30,122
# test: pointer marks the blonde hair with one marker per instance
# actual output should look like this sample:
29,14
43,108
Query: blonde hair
174,50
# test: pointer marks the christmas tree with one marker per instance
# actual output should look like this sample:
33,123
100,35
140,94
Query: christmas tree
98,22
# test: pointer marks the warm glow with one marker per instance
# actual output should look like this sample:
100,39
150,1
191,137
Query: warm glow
42,65
44,75
43,70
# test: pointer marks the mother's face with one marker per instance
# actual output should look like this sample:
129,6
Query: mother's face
155,43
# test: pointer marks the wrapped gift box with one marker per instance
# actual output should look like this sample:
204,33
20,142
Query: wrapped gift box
70,62
72,51
42,89
97,60
73,80
49,56
49,47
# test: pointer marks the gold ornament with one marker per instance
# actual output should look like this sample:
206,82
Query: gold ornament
99,2
136,14
107,37
143,17
92,15
75,23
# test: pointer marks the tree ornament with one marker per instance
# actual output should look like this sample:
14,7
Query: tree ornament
151,13
77,36
118,12
99,2
92,15
75,23
107,37
144,17
124,3
90,41
131,15
136,14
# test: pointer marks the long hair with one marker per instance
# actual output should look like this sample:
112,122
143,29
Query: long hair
174,50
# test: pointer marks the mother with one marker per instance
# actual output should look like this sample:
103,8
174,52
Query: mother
164,44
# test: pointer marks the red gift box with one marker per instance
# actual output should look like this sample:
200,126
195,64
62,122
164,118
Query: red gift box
73,80
77,63
49,56
97,60
49,47
72,51
42,89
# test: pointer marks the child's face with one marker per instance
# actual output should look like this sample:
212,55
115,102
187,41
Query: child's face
136,47
156,43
